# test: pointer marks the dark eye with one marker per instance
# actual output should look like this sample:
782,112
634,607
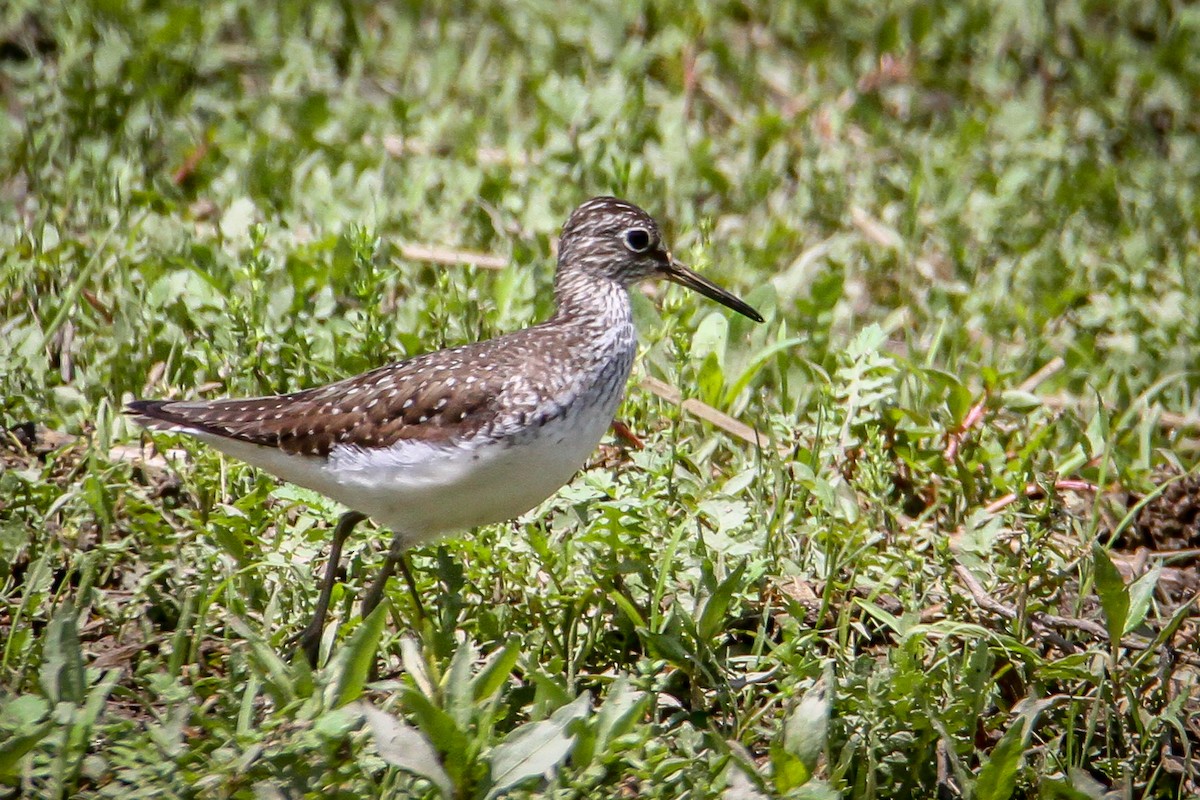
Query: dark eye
637,239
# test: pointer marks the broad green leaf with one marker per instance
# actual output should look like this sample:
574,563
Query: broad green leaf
710,380
998,775
623,603
1141,594
1114,596
458,698
887,618
24,710
739,786
276,678
80,730
727,513
622,707
438,726
496,670
61,674
1017,400
735,485
15,748
959,400
806,728
551,689
756,364
1086,785
1098,432
536,748
353,663
672,643
335,724
1184,612
710,338
815,789
415,666
1074,458
715,607
868,340
787,771
405,747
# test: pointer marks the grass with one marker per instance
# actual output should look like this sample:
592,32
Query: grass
972,228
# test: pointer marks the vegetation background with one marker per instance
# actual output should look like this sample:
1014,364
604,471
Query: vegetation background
960,563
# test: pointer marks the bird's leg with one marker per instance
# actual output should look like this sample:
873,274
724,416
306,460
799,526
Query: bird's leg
395,558
412,585
310,638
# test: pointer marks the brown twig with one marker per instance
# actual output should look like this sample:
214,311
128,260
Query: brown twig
954,438
980,595
1045,624
1166,419
1031,490
451,257
874,230
1050,368
97,304
1036,490
688,57
1190,552
626,436
705,412
191,162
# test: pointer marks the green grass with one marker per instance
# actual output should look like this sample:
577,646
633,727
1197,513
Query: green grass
929,202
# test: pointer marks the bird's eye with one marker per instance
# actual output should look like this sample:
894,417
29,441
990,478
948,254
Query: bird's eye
637,240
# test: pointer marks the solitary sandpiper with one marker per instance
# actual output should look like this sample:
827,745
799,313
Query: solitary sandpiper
465,436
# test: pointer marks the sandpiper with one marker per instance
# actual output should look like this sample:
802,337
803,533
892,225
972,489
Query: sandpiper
465,436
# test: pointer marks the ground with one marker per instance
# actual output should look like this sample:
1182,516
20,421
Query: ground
929,531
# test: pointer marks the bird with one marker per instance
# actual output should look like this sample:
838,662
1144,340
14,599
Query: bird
465,436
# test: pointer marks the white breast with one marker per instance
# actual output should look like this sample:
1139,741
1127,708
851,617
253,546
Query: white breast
425,489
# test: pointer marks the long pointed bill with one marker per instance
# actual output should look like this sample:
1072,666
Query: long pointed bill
680,274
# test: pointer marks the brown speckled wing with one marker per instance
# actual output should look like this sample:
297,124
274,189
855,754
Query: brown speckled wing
448,395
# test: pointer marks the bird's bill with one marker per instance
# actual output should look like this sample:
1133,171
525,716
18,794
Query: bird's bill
678,273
